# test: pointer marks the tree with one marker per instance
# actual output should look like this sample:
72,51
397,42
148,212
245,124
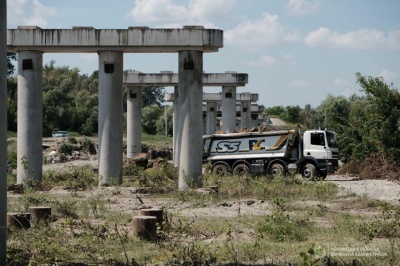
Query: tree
10,65
292,114
277,111
69,100
150,115
11,93
383,118
307,117
153,96
167,114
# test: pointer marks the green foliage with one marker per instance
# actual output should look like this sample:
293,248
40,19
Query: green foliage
153,96
76,180
88,145
65,148
282,227
10,66
384,114
168,115
150,115
290,114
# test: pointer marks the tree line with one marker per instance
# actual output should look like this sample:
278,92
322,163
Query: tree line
365,124
70,102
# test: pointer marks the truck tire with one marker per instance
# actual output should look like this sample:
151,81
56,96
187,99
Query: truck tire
277,170
308,172
323,175
220,169
241,169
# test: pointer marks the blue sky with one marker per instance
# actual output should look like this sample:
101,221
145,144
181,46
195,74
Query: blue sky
295,52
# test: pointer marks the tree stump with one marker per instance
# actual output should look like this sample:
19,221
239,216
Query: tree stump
153,212
40,214
145,227
18,220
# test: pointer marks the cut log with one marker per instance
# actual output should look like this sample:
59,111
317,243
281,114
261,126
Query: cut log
18,220
40,214
145,227
153,212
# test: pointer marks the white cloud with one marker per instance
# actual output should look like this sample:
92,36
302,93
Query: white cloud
255,35
360,39
289,59
165,13
388,76
298,83
204,10
29,12
265,61
150,11
341,83
301,7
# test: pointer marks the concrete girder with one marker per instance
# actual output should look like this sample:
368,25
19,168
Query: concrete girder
217,97
168,78
131,40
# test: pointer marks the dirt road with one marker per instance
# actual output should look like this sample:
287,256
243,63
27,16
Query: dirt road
383,190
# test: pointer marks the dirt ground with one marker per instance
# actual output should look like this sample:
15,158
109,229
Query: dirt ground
126,199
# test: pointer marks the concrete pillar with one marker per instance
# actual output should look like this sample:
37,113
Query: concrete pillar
203,125
3,131
245,114
211,117
30,116
189,129
175,149
134,121
110,117
228,108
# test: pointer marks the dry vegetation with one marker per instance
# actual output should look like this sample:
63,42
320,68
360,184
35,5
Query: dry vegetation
235,220
251,219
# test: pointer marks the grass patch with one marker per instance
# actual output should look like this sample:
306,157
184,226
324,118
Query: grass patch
153,141
301,222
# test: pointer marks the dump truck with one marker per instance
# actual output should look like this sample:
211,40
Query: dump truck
312,153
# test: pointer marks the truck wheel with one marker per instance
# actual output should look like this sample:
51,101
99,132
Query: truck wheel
308,172
220,169
324,175
277,170
241,169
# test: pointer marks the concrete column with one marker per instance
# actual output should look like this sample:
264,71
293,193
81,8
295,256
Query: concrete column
245,114
204,125
175,149
189,129
228,109
30,116
110,117
3,131
134,121
211,117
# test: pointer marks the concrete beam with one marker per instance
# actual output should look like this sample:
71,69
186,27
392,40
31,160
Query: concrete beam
217,97
131,40
168,78
255,108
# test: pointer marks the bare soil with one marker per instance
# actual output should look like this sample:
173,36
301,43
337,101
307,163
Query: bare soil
126,200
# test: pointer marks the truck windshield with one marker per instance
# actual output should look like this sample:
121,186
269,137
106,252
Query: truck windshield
331,139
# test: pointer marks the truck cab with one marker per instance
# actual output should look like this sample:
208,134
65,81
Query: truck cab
320,149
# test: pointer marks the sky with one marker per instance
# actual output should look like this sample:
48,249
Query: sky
295,52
